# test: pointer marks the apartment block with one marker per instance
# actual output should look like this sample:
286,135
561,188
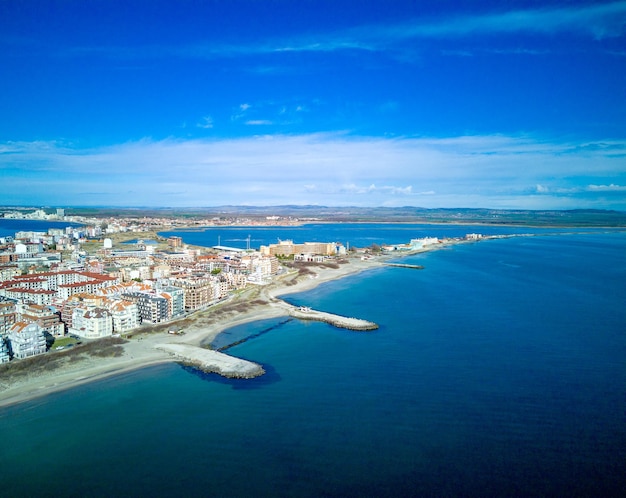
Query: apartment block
8,315
198,292
25,340
4,351
288,248
92,322
45,316
125,316
152,308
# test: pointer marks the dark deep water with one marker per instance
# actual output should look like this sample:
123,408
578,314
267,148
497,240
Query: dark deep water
498,370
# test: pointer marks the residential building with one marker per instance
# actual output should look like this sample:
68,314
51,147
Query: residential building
175,242
197,292
125,316
45,316
92,322
176,300
37,296
25,340
288,248
4,351
152,308
8,315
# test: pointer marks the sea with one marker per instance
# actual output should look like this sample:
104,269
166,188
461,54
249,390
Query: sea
8,227
498,370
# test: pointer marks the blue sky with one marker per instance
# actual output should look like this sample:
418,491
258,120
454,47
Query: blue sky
516,104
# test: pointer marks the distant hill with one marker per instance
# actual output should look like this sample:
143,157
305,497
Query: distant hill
575,217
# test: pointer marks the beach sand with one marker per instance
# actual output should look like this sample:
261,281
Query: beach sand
257,303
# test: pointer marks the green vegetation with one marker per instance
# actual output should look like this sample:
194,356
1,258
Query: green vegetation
62,342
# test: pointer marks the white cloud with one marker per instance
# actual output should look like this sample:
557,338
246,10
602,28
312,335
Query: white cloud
206,122
360,190
542,189
599,21
607,188
331,169
258,122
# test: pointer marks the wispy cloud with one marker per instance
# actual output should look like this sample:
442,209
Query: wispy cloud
372,189
271,112
331,169
205,123
259,122
598,21
607,188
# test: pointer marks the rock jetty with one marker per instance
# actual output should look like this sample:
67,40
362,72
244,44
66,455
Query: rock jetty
213,361
304,313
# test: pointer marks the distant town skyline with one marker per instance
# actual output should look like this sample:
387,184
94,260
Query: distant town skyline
431,104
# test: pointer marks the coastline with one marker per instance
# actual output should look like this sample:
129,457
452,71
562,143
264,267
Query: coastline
262,302
255,303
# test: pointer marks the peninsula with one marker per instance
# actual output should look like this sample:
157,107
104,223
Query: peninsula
106,273
156,345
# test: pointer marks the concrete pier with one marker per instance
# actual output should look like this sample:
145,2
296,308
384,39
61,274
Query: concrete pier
213,361
303,313
405,265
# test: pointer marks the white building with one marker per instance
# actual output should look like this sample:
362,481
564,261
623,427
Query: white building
423,242
4,351
125,316
26,339
91,322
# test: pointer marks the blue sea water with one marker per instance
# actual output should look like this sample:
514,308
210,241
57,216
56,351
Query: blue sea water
8,227
352,234
498,370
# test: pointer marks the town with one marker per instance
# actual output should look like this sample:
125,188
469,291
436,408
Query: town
97,278
76,282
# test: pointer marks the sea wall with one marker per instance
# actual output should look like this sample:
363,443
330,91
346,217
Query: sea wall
213,361
343,322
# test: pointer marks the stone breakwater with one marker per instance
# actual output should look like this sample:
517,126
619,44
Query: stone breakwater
213,361
343,322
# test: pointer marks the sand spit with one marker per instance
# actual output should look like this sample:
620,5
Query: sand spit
213,361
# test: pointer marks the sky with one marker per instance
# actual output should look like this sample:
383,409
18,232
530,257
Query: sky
189,103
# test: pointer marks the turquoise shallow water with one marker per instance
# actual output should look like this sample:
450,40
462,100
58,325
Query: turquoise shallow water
497,370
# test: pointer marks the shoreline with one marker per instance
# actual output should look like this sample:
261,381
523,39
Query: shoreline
141,350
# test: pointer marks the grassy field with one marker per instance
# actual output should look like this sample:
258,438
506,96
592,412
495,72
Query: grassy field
62,342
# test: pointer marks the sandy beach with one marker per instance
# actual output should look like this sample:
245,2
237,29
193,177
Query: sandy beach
200,328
